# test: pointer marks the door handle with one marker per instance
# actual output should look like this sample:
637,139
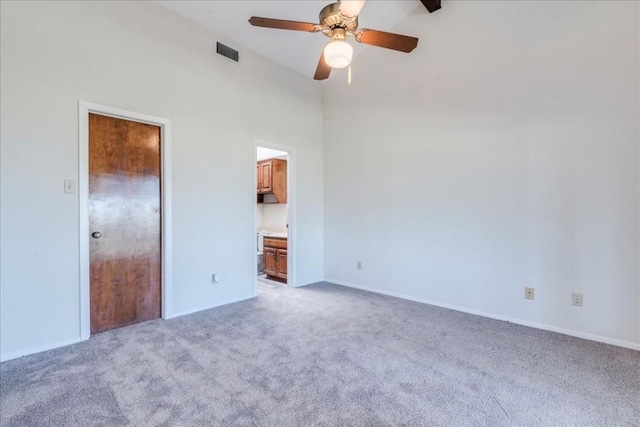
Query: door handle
96,234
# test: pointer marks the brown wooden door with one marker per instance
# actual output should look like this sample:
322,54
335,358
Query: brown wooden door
270,261
124,207
282,264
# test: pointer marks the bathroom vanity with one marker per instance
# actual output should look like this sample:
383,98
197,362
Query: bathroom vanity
275,258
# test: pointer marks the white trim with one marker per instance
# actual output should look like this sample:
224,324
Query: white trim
254,237
32,350
291,212
195,310
84,108
605,340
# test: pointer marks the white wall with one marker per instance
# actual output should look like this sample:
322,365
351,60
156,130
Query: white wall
140,57
502,153
272,217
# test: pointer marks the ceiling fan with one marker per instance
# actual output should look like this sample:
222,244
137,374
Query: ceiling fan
338,21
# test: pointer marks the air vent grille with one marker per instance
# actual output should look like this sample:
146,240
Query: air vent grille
227,52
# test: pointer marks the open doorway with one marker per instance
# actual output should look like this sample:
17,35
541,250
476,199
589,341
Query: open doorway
272,217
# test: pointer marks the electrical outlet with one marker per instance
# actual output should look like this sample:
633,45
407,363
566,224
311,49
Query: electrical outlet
576,299
215,277
529,293
359,265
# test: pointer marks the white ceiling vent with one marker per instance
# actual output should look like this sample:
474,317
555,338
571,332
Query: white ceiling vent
227,52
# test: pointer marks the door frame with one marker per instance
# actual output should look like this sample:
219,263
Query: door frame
84,108
291,211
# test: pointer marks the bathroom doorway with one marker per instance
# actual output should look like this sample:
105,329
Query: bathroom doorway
273,219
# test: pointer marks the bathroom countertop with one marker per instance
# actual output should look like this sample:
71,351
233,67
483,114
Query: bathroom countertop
277,235
265,233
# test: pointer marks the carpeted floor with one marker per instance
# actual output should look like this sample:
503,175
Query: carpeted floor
324,355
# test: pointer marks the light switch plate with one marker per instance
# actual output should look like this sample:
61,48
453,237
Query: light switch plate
69,186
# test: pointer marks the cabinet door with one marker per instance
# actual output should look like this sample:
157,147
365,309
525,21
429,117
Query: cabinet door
258,177
270,261
266,179
282,264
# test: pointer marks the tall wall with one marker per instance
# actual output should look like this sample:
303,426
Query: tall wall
140,57
501,153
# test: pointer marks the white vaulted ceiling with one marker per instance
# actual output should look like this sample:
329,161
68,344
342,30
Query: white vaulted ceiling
299,51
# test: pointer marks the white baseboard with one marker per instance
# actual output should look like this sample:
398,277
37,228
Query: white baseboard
633,346
195,310
32,350
605,340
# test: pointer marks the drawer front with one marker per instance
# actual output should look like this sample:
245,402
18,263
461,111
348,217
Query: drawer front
275,243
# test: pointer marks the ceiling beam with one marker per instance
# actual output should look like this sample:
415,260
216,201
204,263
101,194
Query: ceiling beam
431,5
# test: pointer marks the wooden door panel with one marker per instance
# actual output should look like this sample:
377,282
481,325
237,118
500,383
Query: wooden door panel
266,181
282,264
124,206
258,178
270,261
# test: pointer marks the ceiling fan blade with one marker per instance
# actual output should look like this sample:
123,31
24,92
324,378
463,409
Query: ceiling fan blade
351,8
431,5
281,24
388,40
323,70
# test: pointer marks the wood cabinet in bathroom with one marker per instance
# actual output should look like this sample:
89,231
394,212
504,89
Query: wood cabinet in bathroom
270,261
265,179
275,257
272,180
281,264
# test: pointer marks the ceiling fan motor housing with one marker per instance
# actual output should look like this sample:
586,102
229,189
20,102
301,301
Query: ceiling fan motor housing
331,18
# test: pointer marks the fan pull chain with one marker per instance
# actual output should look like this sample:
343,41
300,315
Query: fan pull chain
349,75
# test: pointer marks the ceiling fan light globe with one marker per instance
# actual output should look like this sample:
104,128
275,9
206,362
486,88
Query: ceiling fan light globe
338,54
